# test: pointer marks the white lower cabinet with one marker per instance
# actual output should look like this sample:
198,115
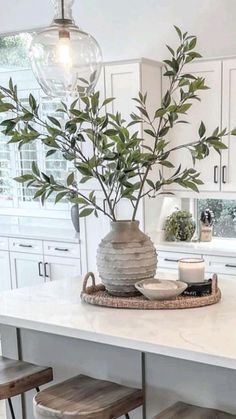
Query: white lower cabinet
26,269
220,264
30,267
5,281
61,268
169,260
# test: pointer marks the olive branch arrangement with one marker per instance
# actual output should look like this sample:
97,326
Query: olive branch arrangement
121,161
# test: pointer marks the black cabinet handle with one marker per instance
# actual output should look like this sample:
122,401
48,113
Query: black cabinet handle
61,250
28,246
39,268
171,260
228,265
45,270
216,174
224,174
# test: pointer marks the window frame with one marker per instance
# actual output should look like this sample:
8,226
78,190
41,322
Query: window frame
12,207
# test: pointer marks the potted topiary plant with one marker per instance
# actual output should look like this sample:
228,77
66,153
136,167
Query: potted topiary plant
180,226
121,161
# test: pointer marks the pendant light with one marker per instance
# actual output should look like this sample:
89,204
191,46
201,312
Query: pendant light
65,60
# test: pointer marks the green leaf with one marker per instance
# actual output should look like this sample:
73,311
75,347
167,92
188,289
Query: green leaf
193,43
178,32
150,132
108,100
32,102
86,212
202,130
167,163
54,121
4,107
35,169
70,179
60,196
50,152
24,178
184,108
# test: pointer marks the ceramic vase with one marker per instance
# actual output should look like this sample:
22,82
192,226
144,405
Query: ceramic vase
125,256
75,217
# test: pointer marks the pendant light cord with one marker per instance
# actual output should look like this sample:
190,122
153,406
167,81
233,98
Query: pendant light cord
62,9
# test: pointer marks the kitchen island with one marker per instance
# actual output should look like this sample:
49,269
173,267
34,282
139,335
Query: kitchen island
187,355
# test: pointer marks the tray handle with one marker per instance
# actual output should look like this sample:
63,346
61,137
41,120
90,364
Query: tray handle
86,278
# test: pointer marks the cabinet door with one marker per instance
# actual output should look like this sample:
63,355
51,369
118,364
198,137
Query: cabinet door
208,111
5,280
122,81
229,121
92,232
61,268
26,269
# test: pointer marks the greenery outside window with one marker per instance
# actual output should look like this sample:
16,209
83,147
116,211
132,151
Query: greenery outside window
225,216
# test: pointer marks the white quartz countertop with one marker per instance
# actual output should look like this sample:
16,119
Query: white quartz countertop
204,335
39,233
220,247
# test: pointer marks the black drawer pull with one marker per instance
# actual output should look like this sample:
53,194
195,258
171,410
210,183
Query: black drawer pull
28,246
61,250
45,270
216,174
224,174
39,268
228,265
171,260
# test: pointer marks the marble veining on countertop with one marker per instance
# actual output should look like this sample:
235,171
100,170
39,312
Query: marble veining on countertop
204,335
39,233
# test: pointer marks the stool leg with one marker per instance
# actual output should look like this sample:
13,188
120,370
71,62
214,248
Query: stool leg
11,409
127,416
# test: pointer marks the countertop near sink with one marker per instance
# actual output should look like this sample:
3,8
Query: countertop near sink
39,233
221,247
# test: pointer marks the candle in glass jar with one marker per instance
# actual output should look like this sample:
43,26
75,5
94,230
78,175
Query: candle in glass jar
191,270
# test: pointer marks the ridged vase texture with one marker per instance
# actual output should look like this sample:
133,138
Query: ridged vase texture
125,256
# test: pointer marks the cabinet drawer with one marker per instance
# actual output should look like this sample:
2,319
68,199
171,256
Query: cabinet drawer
70,250
4,243
170,260
221,265
26,245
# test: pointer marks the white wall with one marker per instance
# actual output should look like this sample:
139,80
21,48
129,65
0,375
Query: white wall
134,28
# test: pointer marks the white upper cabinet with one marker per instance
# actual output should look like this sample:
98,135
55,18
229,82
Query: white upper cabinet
122,81
228,173
208,111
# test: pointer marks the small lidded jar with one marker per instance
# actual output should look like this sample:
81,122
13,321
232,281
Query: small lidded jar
192,270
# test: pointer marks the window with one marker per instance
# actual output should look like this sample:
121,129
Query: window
225,215
14,62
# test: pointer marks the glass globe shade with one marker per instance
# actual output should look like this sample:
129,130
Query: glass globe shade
64,59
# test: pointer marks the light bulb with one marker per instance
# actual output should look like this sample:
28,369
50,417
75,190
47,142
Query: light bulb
63,56
63,49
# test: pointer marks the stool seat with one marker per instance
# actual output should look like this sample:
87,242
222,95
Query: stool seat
17,377
186,411
87,398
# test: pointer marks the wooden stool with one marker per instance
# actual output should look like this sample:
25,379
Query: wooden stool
187,411
84,397
17,377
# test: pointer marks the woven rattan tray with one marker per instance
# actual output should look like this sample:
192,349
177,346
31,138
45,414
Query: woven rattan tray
97,295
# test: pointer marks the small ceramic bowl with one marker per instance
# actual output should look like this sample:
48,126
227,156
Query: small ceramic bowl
154,289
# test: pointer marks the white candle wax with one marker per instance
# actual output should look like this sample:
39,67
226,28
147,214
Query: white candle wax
191,270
